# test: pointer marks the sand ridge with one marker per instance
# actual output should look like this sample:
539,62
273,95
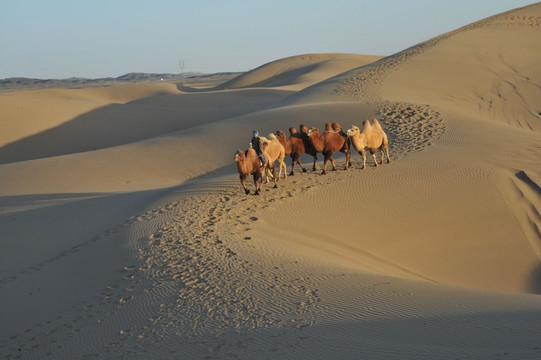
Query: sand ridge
300,71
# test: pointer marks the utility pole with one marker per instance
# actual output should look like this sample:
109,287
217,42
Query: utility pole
181,66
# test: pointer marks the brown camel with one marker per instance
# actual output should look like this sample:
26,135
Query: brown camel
294,147
328,143
248,163
372,137
308,147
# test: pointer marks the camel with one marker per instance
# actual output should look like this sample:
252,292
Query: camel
372,137
248,163
328,143
294,147
308,147
275,151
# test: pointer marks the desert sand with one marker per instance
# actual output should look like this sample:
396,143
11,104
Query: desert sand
125,232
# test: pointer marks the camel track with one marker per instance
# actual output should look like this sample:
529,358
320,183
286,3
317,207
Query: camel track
212,289
410,127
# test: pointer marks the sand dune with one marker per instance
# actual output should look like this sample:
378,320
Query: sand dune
299,71
488,80
125,233
117,122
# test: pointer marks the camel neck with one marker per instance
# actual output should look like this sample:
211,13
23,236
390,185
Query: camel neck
317,142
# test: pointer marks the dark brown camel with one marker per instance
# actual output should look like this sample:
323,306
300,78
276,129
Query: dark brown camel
248,163
308,147
330,142
297,144
294,147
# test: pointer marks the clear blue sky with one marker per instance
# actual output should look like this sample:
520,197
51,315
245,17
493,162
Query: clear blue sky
99,38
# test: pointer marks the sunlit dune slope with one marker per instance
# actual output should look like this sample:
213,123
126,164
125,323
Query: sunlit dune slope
299,71
26,113
490,69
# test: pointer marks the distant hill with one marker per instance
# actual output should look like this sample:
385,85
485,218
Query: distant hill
22,83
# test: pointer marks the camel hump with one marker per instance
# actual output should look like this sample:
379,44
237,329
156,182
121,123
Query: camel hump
303,128
263,141
292,130
272,137
376,123
328,126
336,126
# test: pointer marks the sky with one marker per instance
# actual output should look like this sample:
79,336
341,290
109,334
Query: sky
58,39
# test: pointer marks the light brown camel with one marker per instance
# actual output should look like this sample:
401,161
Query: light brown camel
275,151
372,137
328,143
294,147
248,163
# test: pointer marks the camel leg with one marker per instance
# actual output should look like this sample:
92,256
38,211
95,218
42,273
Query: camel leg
268,171
243,182
300,164
283,164
363,154
314,168
262,173
333,164
258,179
274,176
325,161
373,154
347,151
387,153
375,161
296,159
348,159
271,172
256,175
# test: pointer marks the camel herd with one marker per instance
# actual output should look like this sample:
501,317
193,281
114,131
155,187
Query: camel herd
311,142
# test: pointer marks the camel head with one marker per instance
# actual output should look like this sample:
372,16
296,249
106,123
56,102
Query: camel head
280,134
239,155
353,131
313,131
